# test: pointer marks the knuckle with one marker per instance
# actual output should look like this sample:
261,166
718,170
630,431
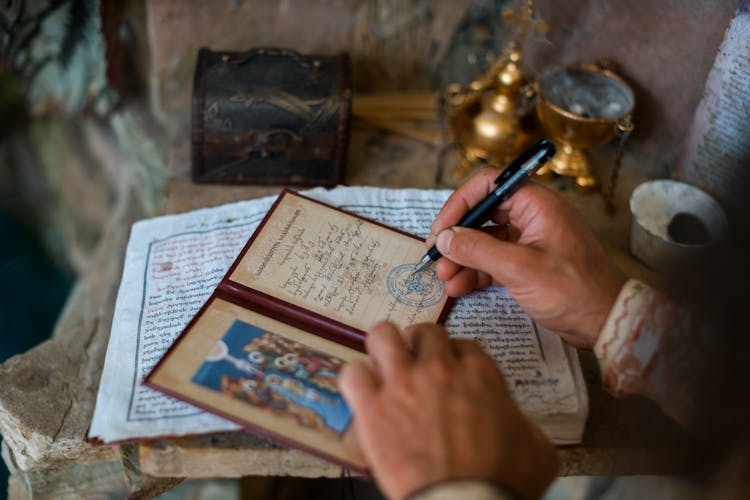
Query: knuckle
467,346
521,263
439,370
484,365
383,327
464,241
487,172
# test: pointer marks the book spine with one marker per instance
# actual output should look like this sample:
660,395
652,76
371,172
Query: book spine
291,314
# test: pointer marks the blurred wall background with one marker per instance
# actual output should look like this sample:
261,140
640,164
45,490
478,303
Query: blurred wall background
95,99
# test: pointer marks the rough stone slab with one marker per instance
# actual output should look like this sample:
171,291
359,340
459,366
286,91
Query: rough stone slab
623,437
228,455
90,478
75,481
209,489
47,394
40,411
198,459
16,489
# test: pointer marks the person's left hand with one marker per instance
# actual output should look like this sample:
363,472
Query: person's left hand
432,409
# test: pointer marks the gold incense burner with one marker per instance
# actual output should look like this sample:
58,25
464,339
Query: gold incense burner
491,125
581,107
491,120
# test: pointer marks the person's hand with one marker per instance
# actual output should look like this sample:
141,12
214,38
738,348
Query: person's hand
432,409
541,250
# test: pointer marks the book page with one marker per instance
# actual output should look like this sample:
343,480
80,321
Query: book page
174,263
716,153
530,356
340,266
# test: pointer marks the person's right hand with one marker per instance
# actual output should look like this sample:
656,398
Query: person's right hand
542,252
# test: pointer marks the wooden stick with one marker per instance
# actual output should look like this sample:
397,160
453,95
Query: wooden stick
427,132
423,105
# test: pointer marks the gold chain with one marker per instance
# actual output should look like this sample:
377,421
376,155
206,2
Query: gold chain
624,128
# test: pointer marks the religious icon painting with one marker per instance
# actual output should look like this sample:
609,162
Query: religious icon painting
278,375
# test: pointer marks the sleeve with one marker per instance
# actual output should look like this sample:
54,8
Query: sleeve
654,346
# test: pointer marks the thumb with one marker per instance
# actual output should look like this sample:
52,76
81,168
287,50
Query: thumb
475,249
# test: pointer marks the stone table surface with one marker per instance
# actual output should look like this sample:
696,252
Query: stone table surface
47,394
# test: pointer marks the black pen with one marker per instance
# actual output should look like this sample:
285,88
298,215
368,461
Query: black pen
507,182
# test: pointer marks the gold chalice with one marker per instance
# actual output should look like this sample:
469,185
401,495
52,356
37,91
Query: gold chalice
581,107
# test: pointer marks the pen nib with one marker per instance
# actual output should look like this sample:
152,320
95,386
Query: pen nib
426,261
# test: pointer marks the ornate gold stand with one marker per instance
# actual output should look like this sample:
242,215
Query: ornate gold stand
572,162
491,120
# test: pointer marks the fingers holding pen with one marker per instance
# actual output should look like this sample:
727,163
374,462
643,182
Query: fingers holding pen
470,248
465,198
459,279
499,231
465,280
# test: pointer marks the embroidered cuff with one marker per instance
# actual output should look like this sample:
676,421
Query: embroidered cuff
618,337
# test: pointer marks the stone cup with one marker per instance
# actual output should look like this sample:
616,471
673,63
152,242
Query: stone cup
675,224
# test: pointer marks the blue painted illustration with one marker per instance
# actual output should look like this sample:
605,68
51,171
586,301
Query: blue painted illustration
277,374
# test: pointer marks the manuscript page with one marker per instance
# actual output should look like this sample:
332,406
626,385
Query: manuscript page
173,264
340,266
716,153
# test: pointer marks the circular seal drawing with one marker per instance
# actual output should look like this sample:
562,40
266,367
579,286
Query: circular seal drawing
422,289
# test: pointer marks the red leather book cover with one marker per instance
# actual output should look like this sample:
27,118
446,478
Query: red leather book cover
265,350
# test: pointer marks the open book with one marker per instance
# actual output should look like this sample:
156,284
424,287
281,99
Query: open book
315,312
267,347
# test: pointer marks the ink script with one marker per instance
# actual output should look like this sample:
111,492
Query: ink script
341,266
